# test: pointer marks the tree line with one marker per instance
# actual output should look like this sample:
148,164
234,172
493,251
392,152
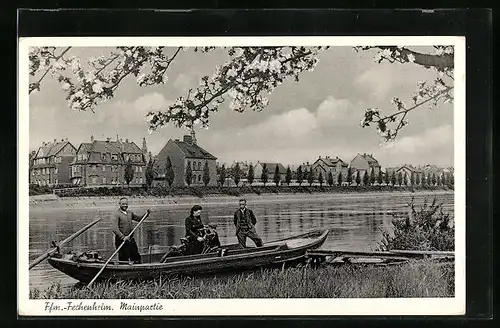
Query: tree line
301,176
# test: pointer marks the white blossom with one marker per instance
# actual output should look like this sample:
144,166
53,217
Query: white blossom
140,78
66,86
89,76
231,72
174,110
411,58
79,94
386,52
238,52
164,78
439,51
97,87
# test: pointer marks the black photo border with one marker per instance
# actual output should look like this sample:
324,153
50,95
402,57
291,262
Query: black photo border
474,24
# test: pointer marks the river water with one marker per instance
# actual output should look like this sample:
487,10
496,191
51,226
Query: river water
356,222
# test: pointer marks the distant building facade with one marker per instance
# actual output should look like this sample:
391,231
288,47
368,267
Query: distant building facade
325,165
364,163
102,163
408,170
271,169
184,153
50,165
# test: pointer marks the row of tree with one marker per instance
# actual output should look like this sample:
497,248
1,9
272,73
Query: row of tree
301,176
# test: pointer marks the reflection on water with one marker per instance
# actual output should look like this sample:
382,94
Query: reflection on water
355,223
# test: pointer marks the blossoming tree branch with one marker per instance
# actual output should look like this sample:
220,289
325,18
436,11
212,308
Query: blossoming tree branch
250,74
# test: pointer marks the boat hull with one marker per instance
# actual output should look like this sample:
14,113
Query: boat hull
237,260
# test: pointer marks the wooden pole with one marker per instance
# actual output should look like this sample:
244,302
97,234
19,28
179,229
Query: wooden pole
118,249
62,243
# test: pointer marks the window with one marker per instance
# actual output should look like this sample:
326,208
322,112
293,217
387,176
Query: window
140,180
56,181
140,168
114,157
57,160
189,163
94,180
103,157
94,167
56,170
199,178
104,168
104,180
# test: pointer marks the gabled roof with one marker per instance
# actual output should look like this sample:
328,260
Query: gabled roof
51,149
329,161
271,167
410,168
370,159
193,150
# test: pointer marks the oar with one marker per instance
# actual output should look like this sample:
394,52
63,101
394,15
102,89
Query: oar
62,243
118,249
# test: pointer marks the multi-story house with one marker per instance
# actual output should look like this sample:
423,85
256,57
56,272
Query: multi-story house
364,163
103,163
271,169
184,153
408,170
325,165
51,162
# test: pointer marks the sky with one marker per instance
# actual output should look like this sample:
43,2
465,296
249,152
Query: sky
318,116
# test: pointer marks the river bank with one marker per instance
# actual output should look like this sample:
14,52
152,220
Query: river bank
51,201
413,279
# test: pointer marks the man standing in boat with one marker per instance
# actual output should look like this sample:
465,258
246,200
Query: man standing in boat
122,227
245,221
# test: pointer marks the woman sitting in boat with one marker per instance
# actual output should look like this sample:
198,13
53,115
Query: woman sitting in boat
197,235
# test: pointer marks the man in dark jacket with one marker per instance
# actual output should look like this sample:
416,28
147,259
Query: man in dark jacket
122,227
245,221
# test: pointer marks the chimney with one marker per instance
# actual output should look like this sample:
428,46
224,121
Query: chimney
144,146
188,139
117,139
108,139
92,138
126,140
193,137
55,140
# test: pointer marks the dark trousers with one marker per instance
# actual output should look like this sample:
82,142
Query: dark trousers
242,235
129,250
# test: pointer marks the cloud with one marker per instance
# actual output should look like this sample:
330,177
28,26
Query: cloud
433,146
378,80
424,142
131,113
183,82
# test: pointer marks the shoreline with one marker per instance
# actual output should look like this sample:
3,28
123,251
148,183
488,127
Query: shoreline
53,202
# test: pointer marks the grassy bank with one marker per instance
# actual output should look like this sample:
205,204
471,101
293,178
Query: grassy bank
202,191
417,279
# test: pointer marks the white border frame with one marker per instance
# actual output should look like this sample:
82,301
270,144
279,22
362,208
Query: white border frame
216,307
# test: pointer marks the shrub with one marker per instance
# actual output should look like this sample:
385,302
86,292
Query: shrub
427,229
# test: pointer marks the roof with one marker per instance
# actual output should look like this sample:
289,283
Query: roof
329,161
193,150
50,149
370,159
271,167
409,167
113,147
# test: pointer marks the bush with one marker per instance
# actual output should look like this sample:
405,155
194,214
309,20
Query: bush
425,229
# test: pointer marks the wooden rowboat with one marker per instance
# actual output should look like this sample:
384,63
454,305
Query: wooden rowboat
281,252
